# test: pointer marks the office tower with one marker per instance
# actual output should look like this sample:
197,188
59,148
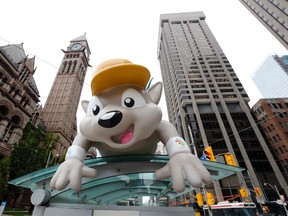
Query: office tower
207,103
273,15
59,112
19,96
272,115
271,78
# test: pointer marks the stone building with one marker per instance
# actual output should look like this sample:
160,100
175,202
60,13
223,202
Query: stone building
19,96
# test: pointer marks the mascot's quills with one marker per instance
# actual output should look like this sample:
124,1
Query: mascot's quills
123,117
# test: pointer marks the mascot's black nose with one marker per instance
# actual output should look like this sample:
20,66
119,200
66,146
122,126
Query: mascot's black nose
110,119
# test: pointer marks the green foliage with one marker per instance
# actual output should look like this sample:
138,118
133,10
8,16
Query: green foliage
4,175
31,152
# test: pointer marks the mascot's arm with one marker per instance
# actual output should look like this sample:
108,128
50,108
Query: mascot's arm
72,169
182,164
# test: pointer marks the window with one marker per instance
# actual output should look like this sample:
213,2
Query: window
8,132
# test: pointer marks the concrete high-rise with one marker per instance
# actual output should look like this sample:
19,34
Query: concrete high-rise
271,78
208,104
273,15
59,112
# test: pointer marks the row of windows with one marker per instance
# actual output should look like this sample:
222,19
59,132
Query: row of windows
276,138
69,67
24,74
272,105
284,162
281,150
72,55
14,121
14,91
276,105
268,21
280,115
269,128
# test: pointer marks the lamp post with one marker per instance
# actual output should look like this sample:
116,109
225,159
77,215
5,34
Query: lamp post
277,191
48,159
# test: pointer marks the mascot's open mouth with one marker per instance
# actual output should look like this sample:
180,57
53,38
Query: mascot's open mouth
125,137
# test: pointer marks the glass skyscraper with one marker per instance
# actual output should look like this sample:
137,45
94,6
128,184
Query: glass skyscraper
207,103
271,78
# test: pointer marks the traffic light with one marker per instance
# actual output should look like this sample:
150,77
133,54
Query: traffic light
257,191
210,198
209,153
229,158
199,198
243,192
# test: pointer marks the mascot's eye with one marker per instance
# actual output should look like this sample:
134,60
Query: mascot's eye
96,109
129,102
132,98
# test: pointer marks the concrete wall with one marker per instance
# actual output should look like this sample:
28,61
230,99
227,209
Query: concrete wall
88,210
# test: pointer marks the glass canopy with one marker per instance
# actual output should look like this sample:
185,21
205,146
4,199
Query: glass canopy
118,178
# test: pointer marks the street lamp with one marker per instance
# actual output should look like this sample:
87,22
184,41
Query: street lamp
49,160
277,191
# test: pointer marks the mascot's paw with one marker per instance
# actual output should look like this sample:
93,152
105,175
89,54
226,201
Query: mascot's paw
184,166
72,170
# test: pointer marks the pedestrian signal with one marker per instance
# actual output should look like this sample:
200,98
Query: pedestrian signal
209,153
257,191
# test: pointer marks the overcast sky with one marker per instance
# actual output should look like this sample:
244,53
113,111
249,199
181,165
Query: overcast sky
129,29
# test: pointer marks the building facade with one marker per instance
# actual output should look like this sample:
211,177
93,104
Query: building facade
19,96
271,77
208,105
273,15
59,112
272,115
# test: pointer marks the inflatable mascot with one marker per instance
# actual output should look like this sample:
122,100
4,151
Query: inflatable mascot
123,117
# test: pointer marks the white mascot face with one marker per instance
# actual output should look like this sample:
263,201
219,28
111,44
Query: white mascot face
120,117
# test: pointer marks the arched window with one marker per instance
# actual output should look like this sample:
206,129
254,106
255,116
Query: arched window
15,120
3,110
74,66
69,67
64,67
34,118
24,73
8,132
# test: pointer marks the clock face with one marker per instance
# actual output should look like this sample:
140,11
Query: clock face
76,46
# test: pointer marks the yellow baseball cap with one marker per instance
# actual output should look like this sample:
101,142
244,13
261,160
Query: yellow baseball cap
116,72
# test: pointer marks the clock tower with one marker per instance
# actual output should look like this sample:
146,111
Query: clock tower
59,112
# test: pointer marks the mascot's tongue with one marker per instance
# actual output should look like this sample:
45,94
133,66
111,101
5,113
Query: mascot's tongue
127,137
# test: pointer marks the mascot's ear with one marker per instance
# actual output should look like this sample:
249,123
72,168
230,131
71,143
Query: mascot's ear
85,105
155,92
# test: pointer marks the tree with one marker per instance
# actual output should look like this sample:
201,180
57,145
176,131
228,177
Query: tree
31,152
28,155
4,175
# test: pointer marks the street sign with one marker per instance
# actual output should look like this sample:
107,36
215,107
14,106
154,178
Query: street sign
2,207
260,199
